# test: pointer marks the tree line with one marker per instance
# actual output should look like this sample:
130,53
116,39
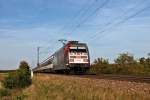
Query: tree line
125,63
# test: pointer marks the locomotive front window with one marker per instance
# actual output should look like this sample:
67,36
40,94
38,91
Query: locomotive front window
77,50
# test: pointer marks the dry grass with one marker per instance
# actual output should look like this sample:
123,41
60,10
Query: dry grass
2,77
56,87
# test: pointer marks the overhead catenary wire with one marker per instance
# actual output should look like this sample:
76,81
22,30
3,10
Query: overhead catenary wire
109,23
63,28
90,15
77,16
80,17
114,20
117,23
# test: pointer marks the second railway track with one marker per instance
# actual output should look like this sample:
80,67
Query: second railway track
141,79
117,77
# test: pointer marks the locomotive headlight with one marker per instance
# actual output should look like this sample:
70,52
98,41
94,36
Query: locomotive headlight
85,60
71,60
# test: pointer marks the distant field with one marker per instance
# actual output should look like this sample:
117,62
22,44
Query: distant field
2,75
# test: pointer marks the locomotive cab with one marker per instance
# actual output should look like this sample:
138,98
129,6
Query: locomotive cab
78,57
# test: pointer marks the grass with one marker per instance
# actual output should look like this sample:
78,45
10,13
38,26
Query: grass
72,88
58,87
4,92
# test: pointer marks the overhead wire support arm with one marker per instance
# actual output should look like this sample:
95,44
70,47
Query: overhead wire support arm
38,56
63,41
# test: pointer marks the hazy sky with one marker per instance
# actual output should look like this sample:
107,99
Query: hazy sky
109,27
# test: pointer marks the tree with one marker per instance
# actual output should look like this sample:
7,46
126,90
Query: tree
145,61
142,60
125,58
20,78
24,65
148,60
148,55
101,65
101,61
24,74
24,68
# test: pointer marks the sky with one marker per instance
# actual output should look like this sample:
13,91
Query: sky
109,27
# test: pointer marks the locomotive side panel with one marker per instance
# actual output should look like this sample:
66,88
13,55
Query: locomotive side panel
59,60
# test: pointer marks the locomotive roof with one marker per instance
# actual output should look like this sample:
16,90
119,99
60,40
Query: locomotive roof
75,43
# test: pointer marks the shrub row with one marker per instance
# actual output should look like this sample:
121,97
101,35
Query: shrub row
137,69
124,64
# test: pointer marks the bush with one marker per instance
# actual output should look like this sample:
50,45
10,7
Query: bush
20,78
125,64
4,92
108,70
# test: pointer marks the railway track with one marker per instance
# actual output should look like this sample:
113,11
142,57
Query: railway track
141,79
128,78
117,77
